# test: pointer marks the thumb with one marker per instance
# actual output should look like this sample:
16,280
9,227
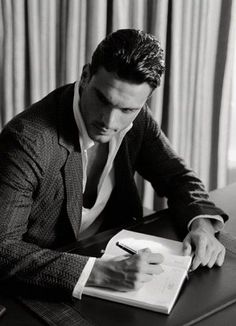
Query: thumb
187,248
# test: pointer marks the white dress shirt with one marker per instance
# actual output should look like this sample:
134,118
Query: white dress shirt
90,222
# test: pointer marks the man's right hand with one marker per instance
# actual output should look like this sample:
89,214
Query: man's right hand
126,272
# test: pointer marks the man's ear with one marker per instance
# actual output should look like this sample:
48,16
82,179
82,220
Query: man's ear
85,76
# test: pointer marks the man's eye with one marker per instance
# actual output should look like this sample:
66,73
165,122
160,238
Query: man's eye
128,110
102,99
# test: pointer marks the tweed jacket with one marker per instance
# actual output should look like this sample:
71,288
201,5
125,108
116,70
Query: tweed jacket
41,189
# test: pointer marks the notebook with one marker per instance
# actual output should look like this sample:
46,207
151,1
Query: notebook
159,294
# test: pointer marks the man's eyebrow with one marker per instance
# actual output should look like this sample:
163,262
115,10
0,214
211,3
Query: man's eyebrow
102,96
107,101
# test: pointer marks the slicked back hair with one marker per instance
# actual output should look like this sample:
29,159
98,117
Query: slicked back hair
132,54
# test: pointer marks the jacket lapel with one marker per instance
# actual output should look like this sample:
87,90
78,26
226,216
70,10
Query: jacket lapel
125,180
72,169
73,183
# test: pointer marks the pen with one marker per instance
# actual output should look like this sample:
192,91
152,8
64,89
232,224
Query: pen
126,248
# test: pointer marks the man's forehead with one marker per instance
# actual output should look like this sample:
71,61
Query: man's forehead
110,85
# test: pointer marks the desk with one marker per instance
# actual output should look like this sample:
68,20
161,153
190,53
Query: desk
103,313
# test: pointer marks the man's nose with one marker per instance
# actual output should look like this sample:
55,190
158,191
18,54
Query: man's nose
110,117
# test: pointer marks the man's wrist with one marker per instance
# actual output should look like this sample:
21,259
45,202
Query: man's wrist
203,223
216,221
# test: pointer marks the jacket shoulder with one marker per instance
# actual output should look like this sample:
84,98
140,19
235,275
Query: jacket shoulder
35,130
42,116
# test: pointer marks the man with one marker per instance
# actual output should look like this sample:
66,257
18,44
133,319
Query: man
66,172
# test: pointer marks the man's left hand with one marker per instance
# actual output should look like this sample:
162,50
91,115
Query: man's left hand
201,241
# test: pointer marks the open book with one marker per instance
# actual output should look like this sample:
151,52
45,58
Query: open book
161,292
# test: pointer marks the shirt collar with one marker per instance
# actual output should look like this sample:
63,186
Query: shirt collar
85,141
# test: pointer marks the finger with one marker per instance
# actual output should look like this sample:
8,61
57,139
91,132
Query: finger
201,248
213,250
142,255
150,265
195,264
144,251
213,259
125,285
154,269
154,258
143,278
137,262
210,254
119,258
149,257
187,248
221,257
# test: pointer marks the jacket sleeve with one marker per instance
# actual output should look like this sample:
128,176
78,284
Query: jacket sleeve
159,164
21,169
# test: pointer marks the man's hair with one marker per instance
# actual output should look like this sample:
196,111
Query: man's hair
132,54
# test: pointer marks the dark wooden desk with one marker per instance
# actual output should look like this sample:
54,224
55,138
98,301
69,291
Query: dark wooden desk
104,313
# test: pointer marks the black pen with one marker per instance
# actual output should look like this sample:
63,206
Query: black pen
126,248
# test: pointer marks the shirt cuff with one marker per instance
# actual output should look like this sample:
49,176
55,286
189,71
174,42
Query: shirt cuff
218,222
79,287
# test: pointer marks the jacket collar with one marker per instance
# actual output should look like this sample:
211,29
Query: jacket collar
72,169
67,129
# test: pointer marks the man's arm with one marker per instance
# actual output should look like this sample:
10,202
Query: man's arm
187,197
21,260
158,163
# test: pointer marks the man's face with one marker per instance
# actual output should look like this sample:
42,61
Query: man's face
109,104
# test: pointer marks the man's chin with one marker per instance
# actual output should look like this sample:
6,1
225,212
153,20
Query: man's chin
101,138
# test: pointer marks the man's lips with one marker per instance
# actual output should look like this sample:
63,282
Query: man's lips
101,129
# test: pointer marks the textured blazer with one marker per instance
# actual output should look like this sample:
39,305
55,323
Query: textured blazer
41,189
